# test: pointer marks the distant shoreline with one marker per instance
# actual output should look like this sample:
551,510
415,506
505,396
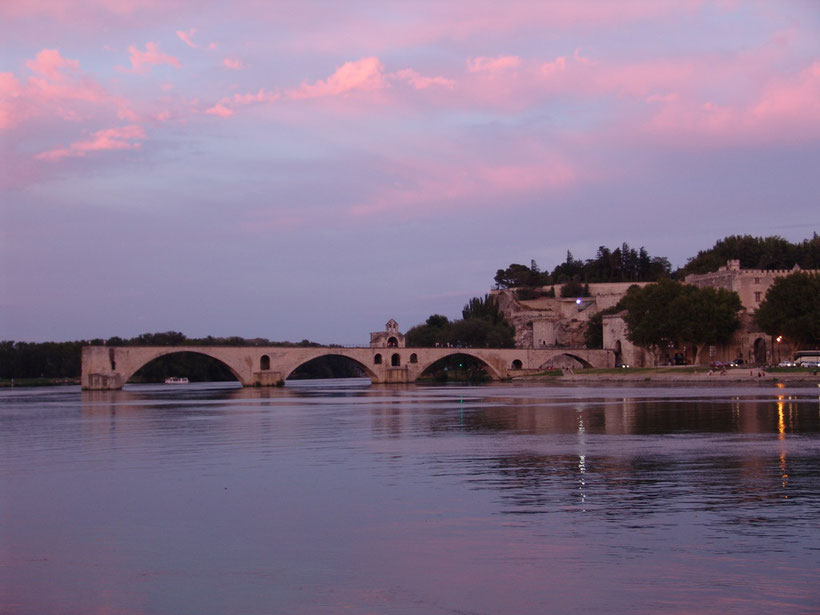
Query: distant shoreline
37,382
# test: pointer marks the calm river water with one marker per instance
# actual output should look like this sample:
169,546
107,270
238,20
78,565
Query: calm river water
339,497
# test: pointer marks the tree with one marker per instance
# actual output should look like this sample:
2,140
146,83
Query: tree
485,307
569,269
483,326
792,308
482,333
435,332
669,313
517,276
573,288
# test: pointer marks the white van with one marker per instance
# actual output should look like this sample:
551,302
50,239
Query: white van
807,358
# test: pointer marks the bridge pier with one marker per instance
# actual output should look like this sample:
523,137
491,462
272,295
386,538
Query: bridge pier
268,379
102,382
397,375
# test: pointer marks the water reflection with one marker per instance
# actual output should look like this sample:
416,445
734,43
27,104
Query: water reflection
331,497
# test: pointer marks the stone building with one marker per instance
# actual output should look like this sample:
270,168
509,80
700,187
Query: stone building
389,338
553,321
750,284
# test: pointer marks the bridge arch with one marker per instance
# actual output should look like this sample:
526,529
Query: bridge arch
133,367
556,359
491,371
369,372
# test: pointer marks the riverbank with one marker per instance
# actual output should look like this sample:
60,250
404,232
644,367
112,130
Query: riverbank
693,375
36,382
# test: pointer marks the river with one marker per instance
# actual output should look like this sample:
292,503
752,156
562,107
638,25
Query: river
334,496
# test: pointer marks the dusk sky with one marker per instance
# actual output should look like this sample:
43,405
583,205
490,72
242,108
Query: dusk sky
312,169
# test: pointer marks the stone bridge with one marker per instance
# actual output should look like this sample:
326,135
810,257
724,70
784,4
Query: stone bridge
110,367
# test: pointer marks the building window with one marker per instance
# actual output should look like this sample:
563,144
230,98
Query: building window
264,363
757,296
414,358
395,360
377,359
757,280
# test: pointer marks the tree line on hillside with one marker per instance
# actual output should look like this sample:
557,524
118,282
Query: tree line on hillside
756,253
625,264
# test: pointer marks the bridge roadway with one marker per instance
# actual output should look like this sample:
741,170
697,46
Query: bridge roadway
110,367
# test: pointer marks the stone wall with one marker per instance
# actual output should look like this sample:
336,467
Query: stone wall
557,321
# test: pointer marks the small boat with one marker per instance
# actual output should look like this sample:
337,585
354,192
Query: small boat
175,380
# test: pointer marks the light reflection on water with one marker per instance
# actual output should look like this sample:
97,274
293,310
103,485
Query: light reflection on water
338,497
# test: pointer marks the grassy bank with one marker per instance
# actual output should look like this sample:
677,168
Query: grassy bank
677,374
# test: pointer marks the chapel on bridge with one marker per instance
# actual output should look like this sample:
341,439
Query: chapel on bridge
389,338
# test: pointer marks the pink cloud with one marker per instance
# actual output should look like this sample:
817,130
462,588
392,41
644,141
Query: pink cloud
796,100
421,82
447,23
224,107
784,109
492,65
51,64
470,179
220,110
558,65
124,137
366,74
576,55
58,87
73,12
260,96
187,37
10,91
142,61
666,98
232,64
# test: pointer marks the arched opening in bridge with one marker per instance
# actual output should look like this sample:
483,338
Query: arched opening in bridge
414,358
392,342
760,351
457,367
329,366
377,360
264,363
194,366
517,364
395,360
566,361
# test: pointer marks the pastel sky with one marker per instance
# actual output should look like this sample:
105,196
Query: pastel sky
312,169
